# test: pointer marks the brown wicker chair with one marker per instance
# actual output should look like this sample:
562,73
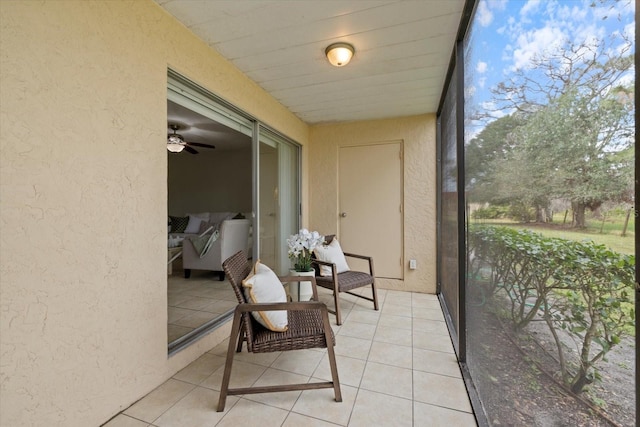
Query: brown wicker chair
308,328
346,281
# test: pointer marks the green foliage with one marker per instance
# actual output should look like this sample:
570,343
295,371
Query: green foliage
491,212
582,291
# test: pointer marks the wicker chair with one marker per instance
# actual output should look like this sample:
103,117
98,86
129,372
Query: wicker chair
346,281
308,328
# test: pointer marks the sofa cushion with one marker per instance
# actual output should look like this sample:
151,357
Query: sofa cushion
262,285
202,215
193,227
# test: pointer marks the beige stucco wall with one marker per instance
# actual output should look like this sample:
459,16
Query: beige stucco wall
418,136
83,199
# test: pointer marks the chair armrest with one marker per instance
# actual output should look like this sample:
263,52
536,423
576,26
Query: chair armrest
274,306
317,261
331,265
364,257
357,256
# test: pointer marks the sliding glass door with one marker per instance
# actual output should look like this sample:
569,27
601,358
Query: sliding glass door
278,198
232,168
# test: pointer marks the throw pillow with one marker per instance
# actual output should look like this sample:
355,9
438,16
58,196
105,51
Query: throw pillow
178,223
194,225
204,226
331,253
262,285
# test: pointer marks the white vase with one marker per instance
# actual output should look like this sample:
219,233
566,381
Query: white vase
301,291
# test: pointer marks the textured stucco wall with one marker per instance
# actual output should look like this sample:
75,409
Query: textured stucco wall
83,200
418,136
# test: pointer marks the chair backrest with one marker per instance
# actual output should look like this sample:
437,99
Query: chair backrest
327,240
237,268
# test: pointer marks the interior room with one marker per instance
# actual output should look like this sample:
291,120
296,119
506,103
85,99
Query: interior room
212,176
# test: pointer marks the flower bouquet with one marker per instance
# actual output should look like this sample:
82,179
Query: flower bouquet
301,247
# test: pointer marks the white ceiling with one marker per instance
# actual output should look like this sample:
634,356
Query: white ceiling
402,51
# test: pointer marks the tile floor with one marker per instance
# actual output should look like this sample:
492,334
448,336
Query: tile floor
397,368
195,301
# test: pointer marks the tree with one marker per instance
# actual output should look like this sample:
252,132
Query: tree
486,152
574,118
572,150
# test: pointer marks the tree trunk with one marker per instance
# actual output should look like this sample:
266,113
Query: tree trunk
580,381
579,214
541,214
626,223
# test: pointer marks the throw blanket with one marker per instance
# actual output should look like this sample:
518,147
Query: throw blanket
203,242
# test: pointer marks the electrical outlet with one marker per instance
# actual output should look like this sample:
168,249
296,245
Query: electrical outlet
412,264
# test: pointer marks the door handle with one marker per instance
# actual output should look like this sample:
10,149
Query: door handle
343,214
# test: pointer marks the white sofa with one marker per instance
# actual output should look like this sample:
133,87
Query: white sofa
233,237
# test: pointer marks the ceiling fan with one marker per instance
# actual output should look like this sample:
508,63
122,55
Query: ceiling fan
176,143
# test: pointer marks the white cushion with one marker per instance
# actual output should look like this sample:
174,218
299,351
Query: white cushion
262,285
331,253
202,215
194,225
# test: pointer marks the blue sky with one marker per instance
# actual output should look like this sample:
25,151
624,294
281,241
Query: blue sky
511,32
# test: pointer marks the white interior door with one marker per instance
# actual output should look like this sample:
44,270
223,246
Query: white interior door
370,205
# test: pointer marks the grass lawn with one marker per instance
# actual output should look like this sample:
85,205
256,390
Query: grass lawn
610,237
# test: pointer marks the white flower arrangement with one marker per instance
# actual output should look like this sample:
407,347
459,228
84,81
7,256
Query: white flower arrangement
301,247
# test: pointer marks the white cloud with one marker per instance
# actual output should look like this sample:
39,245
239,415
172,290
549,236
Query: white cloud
628,79
630,31
615,10
470,90
481,67
530,6
533,44
484,15
497,4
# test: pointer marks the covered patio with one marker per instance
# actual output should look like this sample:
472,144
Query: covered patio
397,367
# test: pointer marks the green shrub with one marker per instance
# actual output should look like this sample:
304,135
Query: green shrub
578,288
491,212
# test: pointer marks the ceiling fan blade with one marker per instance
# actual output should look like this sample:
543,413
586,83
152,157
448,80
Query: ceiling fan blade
190,150
198,144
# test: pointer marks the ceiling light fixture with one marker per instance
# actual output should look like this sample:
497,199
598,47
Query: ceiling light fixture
339,54
175,142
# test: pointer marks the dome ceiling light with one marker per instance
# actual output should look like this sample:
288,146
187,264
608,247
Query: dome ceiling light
339,54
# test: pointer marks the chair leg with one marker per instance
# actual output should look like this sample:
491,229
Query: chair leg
235,335
336,299
375,296
332,358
